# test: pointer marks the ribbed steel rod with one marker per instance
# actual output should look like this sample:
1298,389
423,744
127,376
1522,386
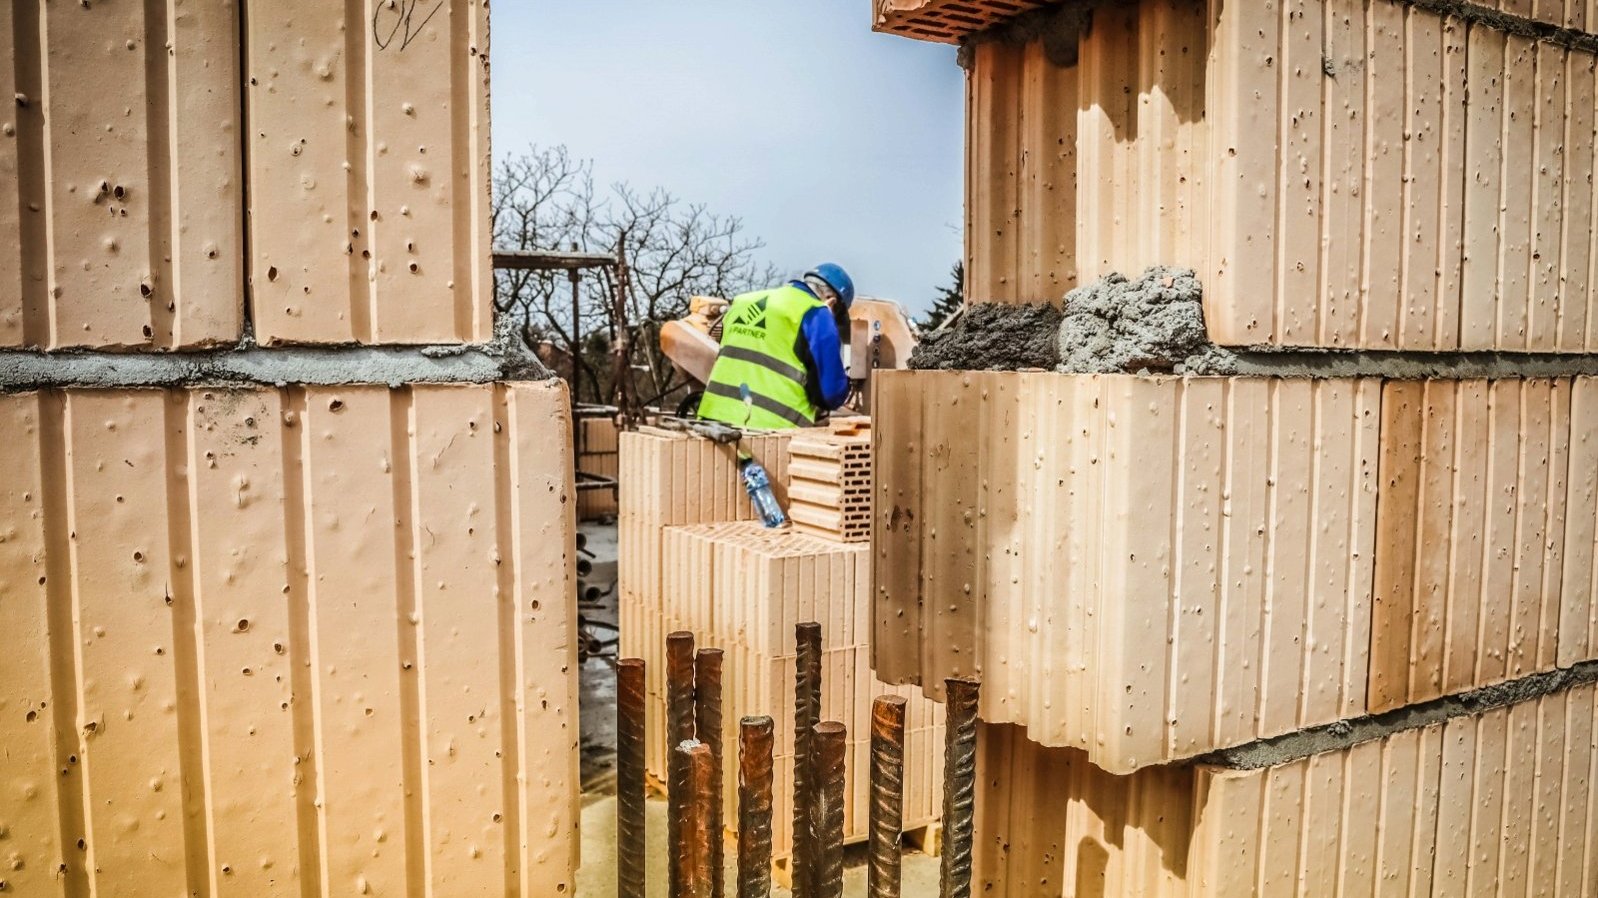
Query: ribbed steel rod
679,729
887,796
959,786
754,807
806,714
707,729
630,778
832,743
679,855
702,873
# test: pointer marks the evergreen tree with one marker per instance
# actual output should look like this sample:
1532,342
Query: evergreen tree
949,300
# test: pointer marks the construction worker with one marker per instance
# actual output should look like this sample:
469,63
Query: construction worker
781,358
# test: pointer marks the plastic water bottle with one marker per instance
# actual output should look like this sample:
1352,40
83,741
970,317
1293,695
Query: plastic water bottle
758,483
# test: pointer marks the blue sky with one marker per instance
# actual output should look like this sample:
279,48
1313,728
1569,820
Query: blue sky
829,141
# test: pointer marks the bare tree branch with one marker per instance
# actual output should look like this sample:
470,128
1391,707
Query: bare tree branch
545,199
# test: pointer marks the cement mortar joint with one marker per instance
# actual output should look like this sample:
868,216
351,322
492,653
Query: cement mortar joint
506,358
1352,731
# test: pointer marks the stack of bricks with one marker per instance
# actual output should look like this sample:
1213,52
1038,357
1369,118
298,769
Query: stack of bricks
692,558
286,536
829,483
672,479
599,454
1329,627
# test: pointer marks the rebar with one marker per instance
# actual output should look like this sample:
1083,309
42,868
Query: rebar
681,849
806,714
754,807
959,785
887,796
679,729
702,873
707,729
630,778
831,744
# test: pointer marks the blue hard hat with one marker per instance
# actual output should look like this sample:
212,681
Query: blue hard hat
833,275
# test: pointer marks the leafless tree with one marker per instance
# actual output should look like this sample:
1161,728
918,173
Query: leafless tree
545,199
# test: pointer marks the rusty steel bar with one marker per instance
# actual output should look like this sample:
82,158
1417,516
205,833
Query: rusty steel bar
832,743
887,796
679,729
630,778
754,807
806,714
701,838
959,785
681,844
707,729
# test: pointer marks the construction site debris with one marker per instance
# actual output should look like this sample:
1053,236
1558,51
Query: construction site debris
994,337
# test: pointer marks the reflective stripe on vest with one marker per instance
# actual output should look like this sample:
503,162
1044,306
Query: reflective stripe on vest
760,333
760,403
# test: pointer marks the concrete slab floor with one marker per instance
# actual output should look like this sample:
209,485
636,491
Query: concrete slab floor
597,713
597,877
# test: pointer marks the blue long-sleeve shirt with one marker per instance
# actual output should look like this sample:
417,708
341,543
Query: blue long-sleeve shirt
820,348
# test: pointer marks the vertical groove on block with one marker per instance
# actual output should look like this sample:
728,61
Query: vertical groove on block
1422,180
511,661
459,636
1434,481
159,279
1467,552
122,558
1512,329
411,640
1575,283
1301,124
1201,445
309,816
1288,547
1403,415
360,209
1343,99
35,306
349,561
1384,190
1455,176
1576,617
244,615
1483,166
188,650
36,791
464,205
66,653
1548,127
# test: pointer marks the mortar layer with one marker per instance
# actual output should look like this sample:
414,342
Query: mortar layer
995,337
1345,733
1154,325
1114,324
244,364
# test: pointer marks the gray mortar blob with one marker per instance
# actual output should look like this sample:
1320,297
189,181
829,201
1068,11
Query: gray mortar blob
1115,325
992,336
